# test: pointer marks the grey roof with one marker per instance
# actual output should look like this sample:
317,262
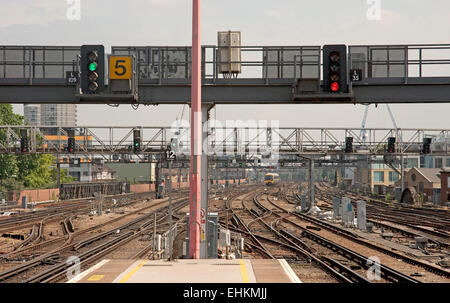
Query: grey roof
131,171
432,174
102,168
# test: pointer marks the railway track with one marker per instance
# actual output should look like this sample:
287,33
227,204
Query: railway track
434,218
51,265
355,260
68,220
26,220
354,238
379,213
264,217
35,247
339,273
87,250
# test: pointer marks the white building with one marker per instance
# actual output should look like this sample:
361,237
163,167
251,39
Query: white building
62,115
32,114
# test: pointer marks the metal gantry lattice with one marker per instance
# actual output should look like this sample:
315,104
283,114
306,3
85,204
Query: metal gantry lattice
401,61
258,62
225,141
161,64
37,62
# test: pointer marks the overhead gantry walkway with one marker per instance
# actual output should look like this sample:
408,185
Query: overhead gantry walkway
232,142
270,75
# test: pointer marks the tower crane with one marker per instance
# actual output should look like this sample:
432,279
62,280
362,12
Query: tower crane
363,134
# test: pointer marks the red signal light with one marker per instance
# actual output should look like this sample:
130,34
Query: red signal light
334,87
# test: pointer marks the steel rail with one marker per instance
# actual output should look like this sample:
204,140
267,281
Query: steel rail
355,238
240,222
56,272
353,276
388,273
343,274
375,215
4,256
39,260
297,249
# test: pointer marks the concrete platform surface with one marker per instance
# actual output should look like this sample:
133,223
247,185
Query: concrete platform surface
189,271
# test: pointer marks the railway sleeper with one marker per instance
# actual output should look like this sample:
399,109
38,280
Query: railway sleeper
296,240
23,267
348,272
386,272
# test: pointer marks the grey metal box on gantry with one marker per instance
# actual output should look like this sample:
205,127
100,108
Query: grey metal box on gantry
212,234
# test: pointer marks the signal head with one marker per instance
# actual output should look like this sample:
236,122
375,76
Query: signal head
334,77
92,69
93,86
335,68
334,57
93,56
334,87
93,66
93,76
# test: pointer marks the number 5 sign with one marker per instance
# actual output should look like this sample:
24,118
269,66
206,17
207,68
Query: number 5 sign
120,67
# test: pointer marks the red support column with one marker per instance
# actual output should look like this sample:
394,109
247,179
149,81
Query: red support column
196,136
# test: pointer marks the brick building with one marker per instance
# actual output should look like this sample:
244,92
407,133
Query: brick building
445,186
425,181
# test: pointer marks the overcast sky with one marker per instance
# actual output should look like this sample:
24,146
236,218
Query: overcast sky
262,22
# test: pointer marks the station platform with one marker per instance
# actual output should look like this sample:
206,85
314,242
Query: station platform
189,271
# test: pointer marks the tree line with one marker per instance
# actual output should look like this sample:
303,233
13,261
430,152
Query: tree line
19,172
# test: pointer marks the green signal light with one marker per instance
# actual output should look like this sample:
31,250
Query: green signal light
93,66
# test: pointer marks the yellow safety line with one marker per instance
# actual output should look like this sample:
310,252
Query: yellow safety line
132,272
244,272
96,277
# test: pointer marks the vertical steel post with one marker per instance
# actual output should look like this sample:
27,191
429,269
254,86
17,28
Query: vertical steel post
58,168
179,178
402,173
217,177
196,135
157,177
170,211
154,237
311,183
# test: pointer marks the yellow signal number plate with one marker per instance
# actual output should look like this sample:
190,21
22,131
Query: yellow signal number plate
119,67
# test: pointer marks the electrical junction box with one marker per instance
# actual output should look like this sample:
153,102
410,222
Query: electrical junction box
225,238
212,235
229,52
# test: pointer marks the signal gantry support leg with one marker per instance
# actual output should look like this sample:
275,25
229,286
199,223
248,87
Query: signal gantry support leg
157,178
311,183
58,168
